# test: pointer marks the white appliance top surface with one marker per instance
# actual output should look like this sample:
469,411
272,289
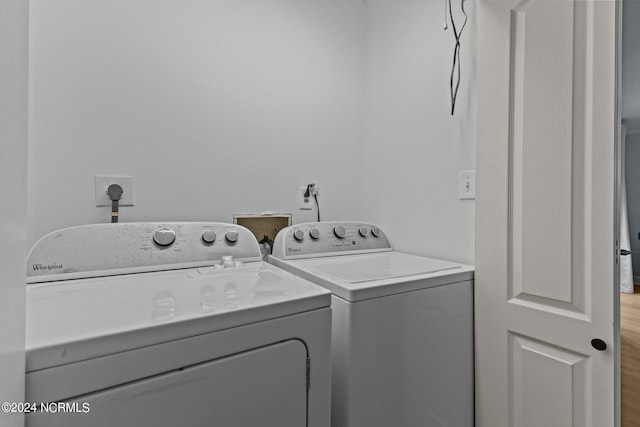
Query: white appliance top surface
377,267
80,319
363,276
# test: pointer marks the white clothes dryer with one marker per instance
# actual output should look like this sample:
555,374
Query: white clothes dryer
171,324
402,337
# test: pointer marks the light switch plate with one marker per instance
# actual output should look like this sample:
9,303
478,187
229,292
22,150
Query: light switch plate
102,183
467,185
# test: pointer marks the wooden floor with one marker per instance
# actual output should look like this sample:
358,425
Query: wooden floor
630,365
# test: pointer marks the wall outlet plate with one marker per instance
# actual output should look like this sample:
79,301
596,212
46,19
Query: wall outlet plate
467,185
305,203
103,182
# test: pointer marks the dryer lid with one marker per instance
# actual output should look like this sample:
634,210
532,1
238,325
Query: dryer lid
73,320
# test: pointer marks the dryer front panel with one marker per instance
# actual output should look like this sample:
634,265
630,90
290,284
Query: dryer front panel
264,387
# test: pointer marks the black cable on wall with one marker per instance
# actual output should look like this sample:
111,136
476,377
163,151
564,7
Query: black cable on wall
454,82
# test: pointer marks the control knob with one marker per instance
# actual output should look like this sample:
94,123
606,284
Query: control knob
164,236
375,231
364,231
314,233
298,235
339,231
209,236
231,236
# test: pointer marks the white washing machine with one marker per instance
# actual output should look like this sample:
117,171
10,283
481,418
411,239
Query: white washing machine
402,337
154,324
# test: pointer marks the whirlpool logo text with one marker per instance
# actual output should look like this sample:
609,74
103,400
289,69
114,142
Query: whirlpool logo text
47,267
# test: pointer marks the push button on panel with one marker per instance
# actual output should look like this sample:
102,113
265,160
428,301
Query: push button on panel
209,236
231,236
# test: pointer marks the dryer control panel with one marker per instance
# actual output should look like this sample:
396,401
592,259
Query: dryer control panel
122,248
318,239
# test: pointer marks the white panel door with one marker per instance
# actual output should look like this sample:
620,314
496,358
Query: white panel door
545,219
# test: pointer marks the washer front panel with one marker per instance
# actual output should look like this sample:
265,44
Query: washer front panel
404,360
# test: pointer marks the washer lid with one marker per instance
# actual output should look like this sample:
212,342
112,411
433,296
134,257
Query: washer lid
357,277
73,320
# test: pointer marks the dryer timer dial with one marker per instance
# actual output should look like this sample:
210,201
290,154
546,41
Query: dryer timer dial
164,236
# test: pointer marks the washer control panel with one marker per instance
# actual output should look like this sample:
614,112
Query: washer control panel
316,239
122,248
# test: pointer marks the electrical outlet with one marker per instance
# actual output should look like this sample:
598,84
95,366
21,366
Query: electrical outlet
103,182
467,185
304,203
307,203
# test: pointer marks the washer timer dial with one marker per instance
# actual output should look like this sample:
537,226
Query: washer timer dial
339,231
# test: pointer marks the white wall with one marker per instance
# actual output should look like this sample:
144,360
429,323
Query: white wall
13,224
415,148
228,106
214,107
